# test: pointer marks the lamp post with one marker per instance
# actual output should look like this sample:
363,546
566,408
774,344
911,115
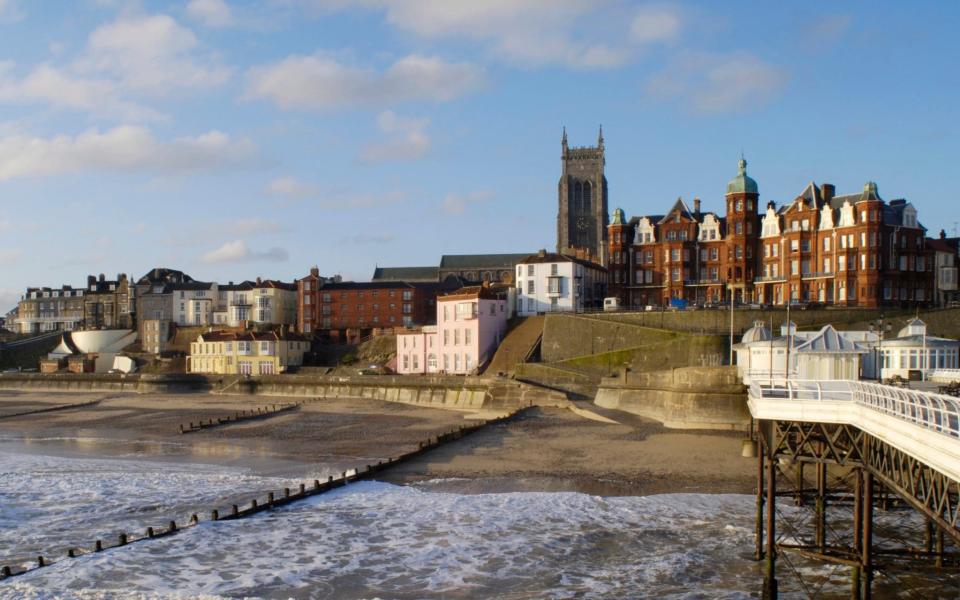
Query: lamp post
879,359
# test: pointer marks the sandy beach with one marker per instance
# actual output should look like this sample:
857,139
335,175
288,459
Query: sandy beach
542,450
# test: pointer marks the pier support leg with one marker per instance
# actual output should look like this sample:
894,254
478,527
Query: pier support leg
761,453
821,507
939,548
857,531
798,498
867,538
770,564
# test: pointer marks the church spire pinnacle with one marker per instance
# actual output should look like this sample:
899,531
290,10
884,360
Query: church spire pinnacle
600,137
563,141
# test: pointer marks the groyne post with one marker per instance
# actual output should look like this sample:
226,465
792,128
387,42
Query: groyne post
761,453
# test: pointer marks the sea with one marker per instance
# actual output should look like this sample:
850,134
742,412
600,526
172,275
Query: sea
378,540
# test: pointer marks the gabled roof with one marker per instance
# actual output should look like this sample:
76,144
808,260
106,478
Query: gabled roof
275,284
678,206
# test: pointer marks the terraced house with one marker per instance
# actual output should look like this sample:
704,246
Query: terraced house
847,250
246,353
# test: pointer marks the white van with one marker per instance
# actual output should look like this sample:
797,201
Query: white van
611,304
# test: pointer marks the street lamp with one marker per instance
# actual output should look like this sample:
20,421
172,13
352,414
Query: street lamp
880,327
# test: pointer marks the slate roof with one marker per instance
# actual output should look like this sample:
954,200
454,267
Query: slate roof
251,336
829,341
678,206
406,274
552,257
480,261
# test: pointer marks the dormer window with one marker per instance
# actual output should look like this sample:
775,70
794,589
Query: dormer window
739,205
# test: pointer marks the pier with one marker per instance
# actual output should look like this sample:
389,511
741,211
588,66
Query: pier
884,445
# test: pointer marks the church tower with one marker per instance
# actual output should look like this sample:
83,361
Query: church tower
582,218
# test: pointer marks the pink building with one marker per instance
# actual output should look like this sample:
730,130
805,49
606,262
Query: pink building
471,323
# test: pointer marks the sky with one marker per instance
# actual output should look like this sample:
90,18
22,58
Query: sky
235,139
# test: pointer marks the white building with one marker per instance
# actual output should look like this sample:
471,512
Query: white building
548,282
823,354
913,351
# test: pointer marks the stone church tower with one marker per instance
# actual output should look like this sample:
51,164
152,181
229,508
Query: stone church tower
582,218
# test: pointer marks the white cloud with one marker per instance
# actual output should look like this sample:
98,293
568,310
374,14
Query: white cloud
124,149
457,204
213,13
718,84
321,82
407,141
291,188
134,56
238,251
152,55
60,89
529,32
655,24
8,257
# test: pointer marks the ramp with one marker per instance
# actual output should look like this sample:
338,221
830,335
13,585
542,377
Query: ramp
517,346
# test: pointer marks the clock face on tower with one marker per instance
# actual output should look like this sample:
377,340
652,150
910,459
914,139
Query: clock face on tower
582,224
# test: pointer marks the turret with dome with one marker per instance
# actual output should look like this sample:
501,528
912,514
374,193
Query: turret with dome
742,183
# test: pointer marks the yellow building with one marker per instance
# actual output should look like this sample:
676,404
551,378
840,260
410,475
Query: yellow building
246,353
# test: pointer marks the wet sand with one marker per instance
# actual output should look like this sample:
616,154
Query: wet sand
542,450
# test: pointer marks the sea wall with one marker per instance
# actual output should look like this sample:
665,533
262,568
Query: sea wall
683,398
463,393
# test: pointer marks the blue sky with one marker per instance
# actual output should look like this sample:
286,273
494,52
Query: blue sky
240,139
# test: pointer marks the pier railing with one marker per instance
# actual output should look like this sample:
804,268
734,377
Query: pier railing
935,412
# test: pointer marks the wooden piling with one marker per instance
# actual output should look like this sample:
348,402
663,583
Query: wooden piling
215,515
150,532
98,546
173,526
122,539
770,566
40,562
5,571
866,556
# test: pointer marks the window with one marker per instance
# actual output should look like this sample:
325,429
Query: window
554,267
794,245
407,295
407,309
466,336
739,228
826,244
714,254
529,270
530,287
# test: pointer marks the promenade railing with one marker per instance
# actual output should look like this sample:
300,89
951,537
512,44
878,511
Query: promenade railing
936,412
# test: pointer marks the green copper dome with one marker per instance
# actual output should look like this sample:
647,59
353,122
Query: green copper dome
618,217
742,183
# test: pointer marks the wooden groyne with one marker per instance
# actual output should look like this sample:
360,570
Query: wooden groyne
257,505
240,416
59,407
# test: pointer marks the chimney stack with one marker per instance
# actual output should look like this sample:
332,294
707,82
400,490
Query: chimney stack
696,206
542,253
828,191
315,271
